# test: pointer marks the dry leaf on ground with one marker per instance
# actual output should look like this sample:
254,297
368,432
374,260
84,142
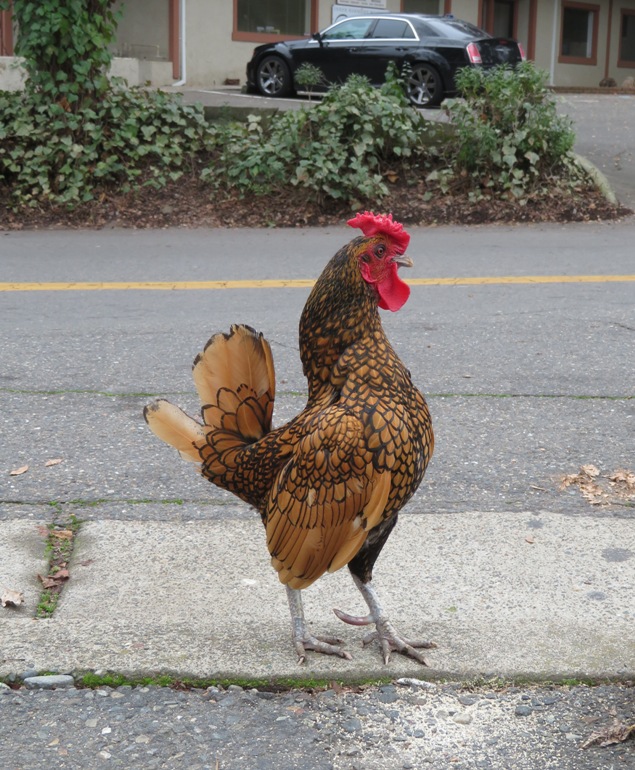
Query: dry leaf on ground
56,580
55,461
616,488
614,733
19,471
61,534
11,598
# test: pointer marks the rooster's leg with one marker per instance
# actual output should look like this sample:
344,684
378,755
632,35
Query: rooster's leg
389,639
303,639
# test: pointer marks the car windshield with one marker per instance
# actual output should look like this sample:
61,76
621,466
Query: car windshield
351,29
455,29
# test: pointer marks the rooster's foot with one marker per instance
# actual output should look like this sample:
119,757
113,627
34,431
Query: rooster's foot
390,641
303,639
388,638
328,645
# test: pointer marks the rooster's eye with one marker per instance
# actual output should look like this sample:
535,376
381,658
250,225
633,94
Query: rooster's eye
380,251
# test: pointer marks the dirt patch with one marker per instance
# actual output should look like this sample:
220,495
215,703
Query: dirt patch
192,203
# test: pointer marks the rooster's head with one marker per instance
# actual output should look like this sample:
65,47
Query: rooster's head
380,254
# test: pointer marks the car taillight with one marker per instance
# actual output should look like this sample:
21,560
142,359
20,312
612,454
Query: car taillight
523,55
473,54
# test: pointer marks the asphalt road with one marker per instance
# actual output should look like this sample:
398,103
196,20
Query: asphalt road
528,378
538,376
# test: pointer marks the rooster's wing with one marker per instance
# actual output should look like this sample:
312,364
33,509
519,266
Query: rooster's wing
325,500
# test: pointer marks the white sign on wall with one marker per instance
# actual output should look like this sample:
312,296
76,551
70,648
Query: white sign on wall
356,8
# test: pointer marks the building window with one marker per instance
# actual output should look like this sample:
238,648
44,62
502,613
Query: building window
498,17
579,33
422,6
627,39
267,19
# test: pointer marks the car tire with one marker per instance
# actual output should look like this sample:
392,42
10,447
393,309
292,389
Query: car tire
424,86
273,77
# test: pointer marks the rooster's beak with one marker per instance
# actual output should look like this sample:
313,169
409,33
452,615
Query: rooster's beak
402,260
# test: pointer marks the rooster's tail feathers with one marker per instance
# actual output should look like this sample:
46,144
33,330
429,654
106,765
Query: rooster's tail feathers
235,379
172,425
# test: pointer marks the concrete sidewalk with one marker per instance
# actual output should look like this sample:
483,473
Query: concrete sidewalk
531,596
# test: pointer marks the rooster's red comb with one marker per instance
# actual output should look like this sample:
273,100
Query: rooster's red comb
381,224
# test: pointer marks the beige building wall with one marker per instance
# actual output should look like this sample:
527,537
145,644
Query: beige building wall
138,38
213,57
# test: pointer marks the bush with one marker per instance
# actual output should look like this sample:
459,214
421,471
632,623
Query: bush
51,154
509,136
338,149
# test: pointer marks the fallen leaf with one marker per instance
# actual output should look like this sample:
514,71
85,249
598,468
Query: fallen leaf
86,562
615,733
19,471
54,581
11,598
597,488
62,534
622,476
55,461
530,540
48,582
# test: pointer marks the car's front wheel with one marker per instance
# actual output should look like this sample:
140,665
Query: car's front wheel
273,77
424,86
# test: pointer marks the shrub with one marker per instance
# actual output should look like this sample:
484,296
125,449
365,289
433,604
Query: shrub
509,136
66,47
337,149
51,154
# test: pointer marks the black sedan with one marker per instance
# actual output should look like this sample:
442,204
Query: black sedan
434,47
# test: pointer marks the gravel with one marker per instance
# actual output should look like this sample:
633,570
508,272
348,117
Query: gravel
440,727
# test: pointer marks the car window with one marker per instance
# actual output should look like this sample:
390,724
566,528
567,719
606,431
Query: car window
393,29
351,29
455,29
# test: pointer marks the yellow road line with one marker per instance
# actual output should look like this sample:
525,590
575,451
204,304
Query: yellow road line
295,283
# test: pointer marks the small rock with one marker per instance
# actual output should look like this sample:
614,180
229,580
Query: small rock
351,725
550,700
387,694
50,682
409,681
463,718
26,674
467,700
523,711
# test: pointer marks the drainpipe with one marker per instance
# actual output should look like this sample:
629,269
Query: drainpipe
182,47
554,42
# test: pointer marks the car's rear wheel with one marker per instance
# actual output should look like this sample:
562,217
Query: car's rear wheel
424,86
273,77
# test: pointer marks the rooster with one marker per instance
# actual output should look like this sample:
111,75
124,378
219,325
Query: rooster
330,483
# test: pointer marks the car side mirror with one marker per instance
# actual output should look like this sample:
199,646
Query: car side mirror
317,36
